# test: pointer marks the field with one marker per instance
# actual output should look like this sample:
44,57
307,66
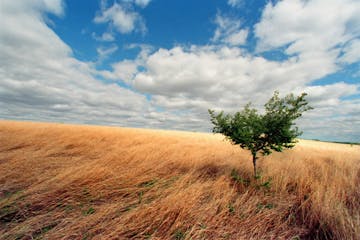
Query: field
62,181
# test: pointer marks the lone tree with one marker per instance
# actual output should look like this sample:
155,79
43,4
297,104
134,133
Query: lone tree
272,131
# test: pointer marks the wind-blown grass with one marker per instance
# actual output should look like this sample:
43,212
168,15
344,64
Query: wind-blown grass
80,182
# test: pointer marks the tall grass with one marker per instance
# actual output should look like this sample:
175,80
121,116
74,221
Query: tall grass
80,182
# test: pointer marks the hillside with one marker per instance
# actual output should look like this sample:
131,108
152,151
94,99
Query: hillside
87,182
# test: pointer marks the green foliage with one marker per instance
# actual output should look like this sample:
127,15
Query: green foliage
10,194
231,208
147,235
235,176
261,206
38,234
89,211
148,184
179,234
272,131
266,185
140,196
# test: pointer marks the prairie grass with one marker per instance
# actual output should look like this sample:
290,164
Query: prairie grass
87,182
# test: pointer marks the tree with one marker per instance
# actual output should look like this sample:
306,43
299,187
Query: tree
272,131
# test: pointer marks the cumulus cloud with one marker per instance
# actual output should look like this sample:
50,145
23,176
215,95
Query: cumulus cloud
55,87
199,78
351,52
122,71
326,32
211,73
308,26
122,17
142,3
229,31
125,70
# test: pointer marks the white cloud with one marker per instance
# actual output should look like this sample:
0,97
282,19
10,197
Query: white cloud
308,26
55,87
125,70
235,3
54,6
105,37
351,52
210,73
105,52
122,17
320,34
122,71
142,3
35,6
197,78
328,96
229,31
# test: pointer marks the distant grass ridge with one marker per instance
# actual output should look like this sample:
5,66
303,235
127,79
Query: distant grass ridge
61,181
339,142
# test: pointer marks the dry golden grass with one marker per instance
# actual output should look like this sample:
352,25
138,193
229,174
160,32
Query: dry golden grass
85,182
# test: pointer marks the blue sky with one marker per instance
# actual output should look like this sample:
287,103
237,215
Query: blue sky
168,23
162,64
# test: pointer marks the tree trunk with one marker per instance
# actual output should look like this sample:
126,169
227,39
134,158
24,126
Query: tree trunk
254,163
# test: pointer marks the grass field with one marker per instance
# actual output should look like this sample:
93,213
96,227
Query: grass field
86,182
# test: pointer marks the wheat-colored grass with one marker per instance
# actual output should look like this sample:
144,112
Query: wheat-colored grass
85,182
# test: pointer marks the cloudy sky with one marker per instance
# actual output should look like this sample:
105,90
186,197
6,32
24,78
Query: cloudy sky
162,64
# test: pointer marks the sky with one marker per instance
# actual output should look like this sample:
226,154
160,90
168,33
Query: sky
161,64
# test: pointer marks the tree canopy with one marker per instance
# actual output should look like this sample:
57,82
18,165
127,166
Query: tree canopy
272,131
